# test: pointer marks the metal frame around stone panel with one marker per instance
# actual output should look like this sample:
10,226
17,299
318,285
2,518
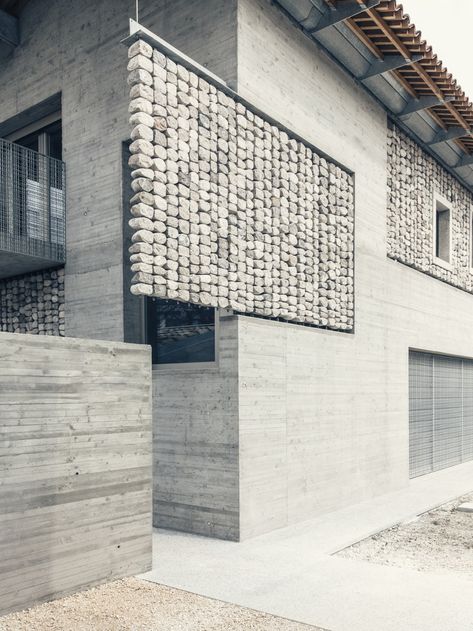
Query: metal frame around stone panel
245,237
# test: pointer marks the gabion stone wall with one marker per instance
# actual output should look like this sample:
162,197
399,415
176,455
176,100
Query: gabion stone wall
414,178
229,210
33,303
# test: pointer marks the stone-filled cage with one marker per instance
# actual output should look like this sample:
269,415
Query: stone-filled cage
230,209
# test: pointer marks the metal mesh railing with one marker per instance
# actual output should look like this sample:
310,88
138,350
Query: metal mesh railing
32,203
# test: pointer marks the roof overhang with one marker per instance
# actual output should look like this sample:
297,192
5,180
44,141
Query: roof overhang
376,43
9,31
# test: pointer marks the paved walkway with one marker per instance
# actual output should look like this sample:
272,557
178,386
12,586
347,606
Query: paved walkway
290,572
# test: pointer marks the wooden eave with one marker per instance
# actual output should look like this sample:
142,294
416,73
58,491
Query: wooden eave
386,30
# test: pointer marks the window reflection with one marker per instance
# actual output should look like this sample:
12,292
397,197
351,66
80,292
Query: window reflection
179,332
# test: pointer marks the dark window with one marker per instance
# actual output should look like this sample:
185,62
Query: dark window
179,332
55,141
47,140
30,142
442,232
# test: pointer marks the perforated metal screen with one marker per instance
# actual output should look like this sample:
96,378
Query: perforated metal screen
440,412
32,202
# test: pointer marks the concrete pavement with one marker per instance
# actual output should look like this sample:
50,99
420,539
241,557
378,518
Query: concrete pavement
291,573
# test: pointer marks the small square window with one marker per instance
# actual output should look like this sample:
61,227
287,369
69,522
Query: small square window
442,231
180,332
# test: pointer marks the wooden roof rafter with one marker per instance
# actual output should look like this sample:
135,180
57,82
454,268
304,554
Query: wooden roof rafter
387,32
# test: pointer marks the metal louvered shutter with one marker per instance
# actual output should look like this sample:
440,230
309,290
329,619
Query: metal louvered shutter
421,428
467,453
440,412
447,412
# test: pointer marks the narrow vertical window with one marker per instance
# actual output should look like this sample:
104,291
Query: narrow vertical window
471,238
442,221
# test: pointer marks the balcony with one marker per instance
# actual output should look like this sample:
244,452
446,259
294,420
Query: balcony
32,210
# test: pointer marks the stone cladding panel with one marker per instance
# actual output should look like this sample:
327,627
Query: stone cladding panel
229,209
414,179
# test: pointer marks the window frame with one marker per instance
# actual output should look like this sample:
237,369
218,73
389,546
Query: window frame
43,135
443,201
37,126
189,366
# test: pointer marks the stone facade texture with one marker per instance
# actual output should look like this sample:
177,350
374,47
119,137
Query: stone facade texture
33,303
414,178
228,209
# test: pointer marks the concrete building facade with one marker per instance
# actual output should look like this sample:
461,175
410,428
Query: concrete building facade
75,464
286,421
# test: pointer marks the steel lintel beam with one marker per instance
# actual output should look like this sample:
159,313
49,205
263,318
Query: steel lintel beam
390,62
424,103
334,15
452,133
9,31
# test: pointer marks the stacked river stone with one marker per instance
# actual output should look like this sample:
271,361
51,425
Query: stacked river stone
33,303
228,210
414,178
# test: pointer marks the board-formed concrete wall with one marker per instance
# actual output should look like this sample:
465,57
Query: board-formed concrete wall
33,303
75,465
195,443
414,178
229,209
323,416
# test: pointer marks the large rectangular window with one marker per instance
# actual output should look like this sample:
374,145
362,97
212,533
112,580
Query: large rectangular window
442,231
181,333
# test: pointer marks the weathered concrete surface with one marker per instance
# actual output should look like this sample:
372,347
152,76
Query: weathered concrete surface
195,444
75,465
77,52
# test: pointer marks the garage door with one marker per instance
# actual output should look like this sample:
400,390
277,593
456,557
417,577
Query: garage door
440,412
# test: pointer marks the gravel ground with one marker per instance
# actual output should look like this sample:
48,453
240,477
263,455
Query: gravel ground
439,542
135,605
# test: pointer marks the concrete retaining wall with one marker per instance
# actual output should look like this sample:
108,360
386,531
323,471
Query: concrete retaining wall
75,465
33,303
